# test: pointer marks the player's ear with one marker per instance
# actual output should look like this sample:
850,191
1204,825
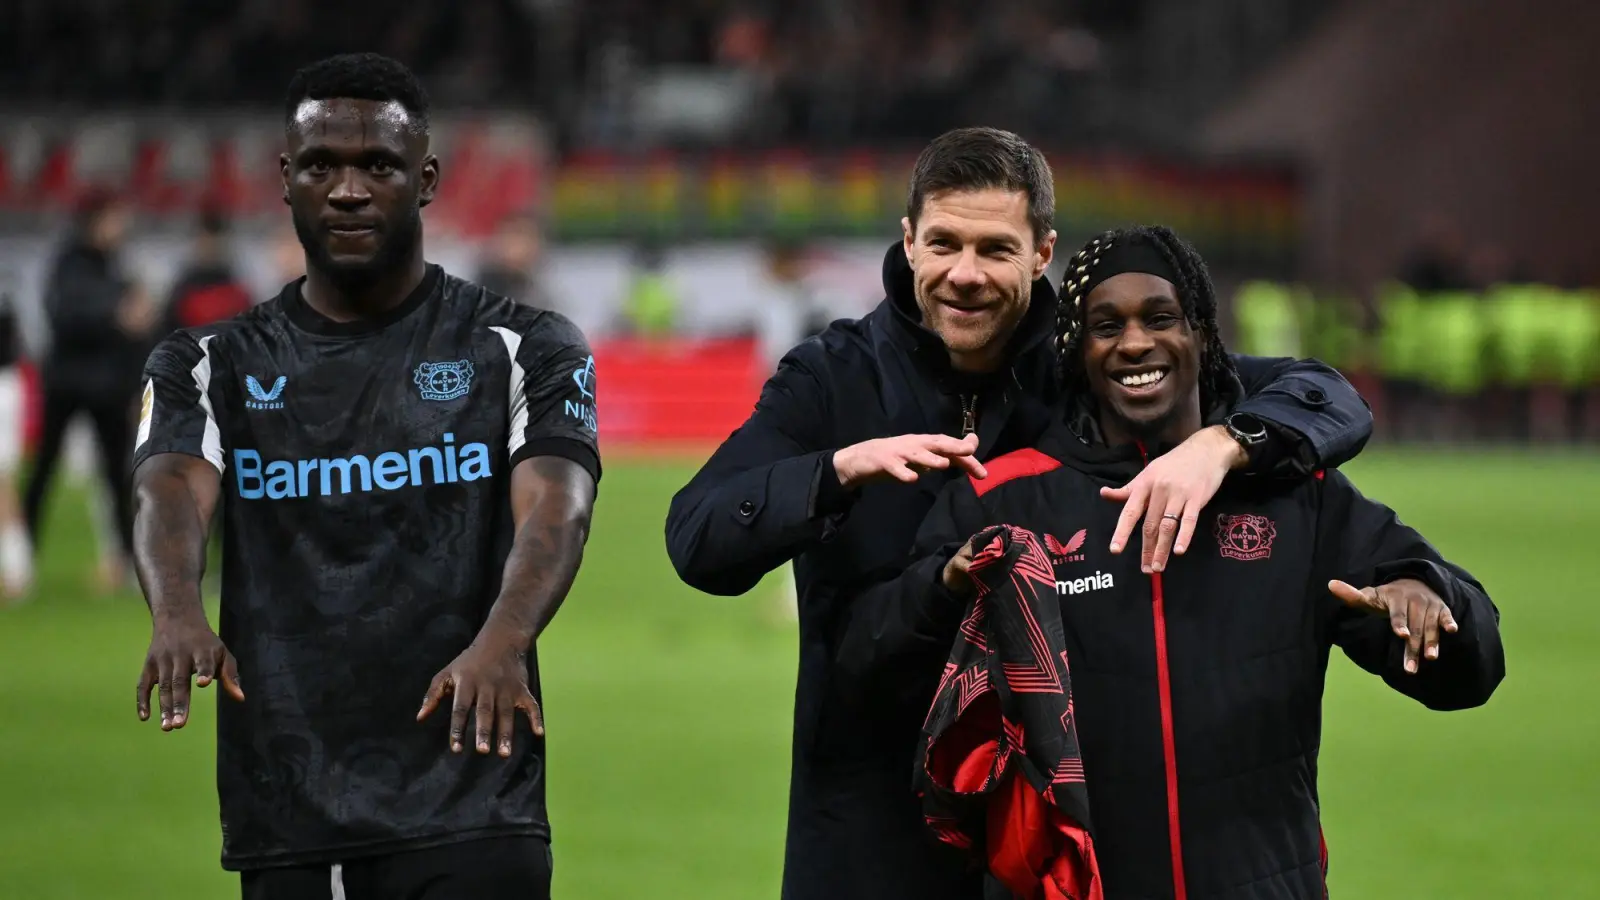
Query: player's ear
283,170
1046,252
430,180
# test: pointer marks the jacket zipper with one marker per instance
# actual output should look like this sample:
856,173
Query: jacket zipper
969,414
1169,750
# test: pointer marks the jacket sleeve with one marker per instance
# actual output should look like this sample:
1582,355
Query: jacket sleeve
894,637
1369,546
767,493
1319,419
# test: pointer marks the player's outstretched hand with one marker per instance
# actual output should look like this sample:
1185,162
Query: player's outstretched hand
1416,613
1170,493
905,457
181,647
490,681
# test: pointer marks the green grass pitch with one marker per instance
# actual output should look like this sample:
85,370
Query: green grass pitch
668,718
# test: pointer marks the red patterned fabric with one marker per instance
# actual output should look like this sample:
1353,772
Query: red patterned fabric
999,771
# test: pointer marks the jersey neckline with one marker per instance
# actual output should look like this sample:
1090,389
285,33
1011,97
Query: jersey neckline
308,319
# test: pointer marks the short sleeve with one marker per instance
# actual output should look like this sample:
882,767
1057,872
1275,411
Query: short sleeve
175,413
552,393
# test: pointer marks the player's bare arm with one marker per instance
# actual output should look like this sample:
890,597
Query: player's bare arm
174,495
552,500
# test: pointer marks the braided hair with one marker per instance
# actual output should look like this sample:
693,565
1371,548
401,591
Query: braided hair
1195,295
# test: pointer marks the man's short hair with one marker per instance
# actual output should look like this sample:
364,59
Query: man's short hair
975,159
359,76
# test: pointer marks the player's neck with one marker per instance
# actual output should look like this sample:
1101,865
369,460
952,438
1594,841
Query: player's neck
345,301
1171,431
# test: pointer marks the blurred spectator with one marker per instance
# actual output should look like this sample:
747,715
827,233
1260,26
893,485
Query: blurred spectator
208,289
100,325
650,307
512,265
227,53
796,311
890,64
16,556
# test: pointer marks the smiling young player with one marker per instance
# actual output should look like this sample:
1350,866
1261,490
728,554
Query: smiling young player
405,465
1197,689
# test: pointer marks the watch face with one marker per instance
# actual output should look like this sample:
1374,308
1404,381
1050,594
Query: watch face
1247,428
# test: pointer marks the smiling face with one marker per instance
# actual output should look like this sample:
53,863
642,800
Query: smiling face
974,258
1142,359
356,177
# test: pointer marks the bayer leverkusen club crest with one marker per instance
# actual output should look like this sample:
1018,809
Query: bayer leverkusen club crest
1245,537
441,381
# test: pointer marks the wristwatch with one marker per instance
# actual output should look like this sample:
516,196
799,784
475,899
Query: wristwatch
1249,431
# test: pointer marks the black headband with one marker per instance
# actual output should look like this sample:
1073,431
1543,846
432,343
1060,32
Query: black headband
1114,257
1106,257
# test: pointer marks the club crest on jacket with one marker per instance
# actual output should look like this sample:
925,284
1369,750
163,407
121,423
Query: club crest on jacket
1245,536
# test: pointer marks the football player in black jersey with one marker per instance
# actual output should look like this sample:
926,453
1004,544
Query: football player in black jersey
405,465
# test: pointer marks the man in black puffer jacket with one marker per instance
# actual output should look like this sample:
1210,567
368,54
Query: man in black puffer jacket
1197,688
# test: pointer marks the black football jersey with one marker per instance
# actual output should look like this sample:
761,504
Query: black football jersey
366,520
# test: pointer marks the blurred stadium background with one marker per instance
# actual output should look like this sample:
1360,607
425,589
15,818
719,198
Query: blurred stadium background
1405,190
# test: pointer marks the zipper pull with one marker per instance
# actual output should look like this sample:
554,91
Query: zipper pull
969,414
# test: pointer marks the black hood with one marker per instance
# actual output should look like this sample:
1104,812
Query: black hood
1033,333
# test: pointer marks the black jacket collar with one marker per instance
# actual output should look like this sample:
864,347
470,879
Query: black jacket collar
925,347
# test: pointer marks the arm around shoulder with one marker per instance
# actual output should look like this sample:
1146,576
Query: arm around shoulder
1318,418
